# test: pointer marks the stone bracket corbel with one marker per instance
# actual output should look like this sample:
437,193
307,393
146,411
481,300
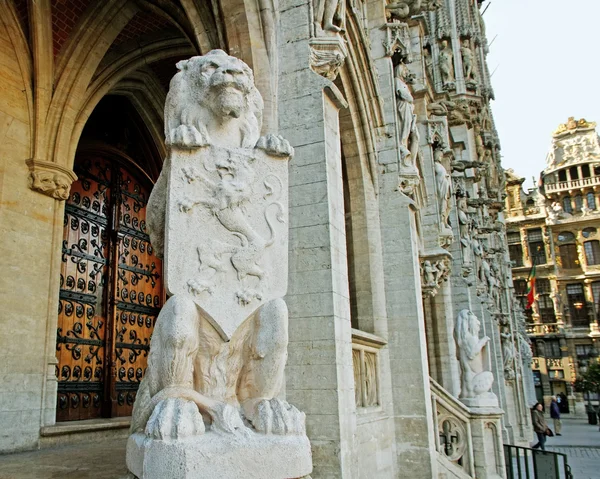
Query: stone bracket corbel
327,55
436,267
50,178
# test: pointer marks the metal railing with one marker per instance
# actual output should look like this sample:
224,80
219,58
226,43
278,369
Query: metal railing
527,463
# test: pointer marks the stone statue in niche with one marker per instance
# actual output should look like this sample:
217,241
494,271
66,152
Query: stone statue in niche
407,119
508,352
476,379
443,187
429,273
468,59
464,223
446,60
209,403
330,16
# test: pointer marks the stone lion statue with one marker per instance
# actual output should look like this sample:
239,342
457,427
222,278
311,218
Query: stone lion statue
475,379
195,379
211,95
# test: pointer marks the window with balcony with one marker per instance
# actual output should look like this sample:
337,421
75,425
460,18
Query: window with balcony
544,301
592,252
574,173
536,246
577,305
552,348
520,286
567,205
562,175
591,201
568,256
516,255
513,237
596,295
582,350
585,171
578,202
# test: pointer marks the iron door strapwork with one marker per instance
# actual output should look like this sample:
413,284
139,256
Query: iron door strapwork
110,293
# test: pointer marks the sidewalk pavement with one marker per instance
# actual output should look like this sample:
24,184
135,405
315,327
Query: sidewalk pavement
103,459
580,441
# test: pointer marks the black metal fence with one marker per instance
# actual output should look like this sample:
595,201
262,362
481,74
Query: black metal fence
527,463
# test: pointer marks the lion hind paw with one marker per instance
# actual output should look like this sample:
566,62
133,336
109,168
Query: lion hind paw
275,416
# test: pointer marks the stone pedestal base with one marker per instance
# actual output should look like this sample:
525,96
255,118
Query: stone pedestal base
215,456
489,400
488,453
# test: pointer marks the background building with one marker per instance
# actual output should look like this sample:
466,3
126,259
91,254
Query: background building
556,227
396,220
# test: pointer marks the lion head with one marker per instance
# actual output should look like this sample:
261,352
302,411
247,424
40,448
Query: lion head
216,93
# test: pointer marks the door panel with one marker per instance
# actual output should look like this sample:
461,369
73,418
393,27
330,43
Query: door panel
82,322
110,293
138,292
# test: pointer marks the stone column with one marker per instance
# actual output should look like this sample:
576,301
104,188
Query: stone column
408,351
319,371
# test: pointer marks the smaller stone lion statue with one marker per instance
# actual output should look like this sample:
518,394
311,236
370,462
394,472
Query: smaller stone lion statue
476,380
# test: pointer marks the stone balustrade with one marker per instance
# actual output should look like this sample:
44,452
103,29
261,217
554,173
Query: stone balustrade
572,184
453,439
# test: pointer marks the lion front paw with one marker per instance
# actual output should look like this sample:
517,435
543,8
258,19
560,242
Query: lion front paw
175,418
275,145
275,416
188,136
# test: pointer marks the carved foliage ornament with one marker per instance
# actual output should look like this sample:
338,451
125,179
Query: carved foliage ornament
50,179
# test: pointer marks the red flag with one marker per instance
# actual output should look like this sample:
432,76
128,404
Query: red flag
531,289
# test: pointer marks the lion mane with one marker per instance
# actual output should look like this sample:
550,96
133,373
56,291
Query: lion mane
198,96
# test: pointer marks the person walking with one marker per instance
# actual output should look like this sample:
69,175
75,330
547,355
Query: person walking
555,415
539,425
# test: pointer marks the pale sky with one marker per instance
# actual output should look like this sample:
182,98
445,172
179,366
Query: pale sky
545,54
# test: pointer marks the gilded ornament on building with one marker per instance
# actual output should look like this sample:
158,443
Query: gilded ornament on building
572,125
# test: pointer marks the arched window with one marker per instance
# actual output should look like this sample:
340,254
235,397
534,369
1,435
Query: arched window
566,236
567,206
591,201
592,252
578,202
587,232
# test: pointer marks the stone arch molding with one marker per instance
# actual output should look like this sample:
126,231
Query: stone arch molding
68,88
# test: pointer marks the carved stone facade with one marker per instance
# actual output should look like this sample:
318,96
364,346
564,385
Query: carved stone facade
395,226
555,226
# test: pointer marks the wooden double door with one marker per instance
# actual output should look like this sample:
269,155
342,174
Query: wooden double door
110,291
